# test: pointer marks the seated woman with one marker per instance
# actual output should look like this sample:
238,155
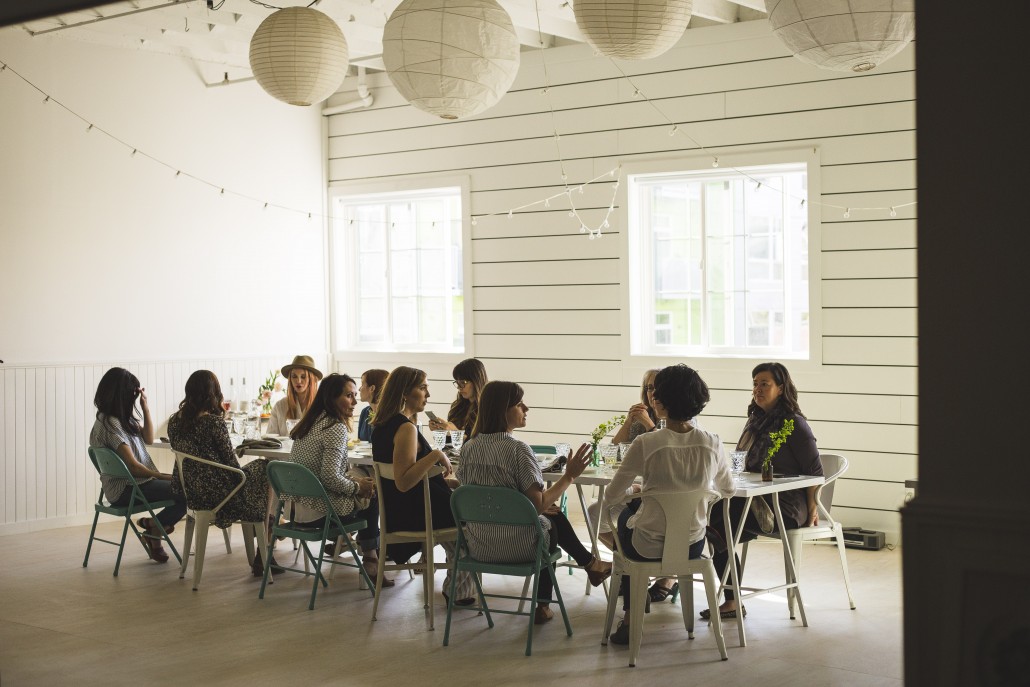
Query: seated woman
775,400
395,440
469,379
199,430
118,428
320,445
495,458
369,392
680,457
302,377
641,417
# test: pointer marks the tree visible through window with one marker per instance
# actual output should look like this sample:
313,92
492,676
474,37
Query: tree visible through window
720,262
398,271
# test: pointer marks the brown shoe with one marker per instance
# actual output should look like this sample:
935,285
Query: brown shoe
543,615
598,571
152,540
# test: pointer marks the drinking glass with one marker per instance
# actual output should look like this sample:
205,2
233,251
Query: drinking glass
457,436
440,438
290,424
623,447
610,456
661,423
250,429
737,461
239,423
563,450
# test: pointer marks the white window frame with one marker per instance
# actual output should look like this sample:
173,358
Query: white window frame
344,341
633,267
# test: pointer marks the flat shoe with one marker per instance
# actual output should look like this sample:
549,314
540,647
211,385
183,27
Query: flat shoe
543,615
372,569
725,615
460,602
621,634
598,571
154,549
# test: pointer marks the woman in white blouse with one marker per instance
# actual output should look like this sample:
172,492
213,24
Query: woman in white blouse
680,457
302,377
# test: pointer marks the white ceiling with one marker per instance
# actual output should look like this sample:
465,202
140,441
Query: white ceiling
218,40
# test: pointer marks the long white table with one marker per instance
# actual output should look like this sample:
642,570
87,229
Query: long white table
750,485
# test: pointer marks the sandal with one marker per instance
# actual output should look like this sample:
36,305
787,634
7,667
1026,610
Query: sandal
151,540
598,571
658,593
371,568
725,615
543,615
150,526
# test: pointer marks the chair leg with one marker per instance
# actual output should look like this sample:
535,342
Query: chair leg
318,574
92,533
838,533
525,593
450,606
561,601
121,544
532,617
263,550
429,581
202,526
337,552
795,553
187,546
711,587
637,597
379,578
686,583
228,546
613,599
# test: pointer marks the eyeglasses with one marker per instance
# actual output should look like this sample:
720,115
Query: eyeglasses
649,387
460,383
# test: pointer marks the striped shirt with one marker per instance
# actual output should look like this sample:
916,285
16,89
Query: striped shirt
108,432
501,460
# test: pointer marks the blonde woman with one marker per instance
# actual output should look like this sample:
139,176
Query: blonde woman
302,384
396,440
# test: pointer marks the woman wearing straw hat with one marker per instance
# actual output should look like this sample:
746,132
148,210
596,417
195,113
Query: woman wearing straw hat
303,378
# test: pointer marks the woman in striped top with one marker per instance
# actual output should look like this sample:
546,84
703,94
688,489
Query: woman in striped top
494,458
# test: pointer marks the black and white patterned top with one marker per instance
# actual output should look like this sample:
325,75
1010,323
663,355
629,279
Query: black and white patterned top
323,450
108,432
501,460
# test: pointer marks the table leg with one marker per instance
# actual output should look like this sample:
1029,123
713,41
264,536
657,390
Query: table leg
788,561
591,527
731,545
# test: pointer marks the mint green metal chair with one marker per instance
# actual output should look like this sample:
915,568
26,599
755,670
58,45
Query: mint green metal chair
110,464
291,481
549,450
501,506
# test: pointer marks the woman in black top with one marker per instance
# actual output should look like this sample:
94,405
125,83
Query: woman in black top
469,379
396,440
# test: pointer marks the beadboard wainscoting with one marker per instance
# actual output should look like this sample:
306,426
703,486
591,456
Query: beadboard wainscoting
548,304
47,412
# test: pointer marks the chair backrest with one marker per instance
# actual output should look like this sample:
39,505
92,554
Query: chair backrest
680,507
292,480
109,463
834,465
385,471
544,449
182,458
495,506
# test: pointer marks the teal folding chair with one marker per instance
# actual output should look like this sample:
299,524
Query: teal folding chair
291,481
109,464
501,506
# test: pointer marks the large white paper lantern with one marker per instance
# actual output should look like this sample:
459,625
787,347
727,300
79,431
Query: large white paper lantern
843,35
632,30
451,58
299,55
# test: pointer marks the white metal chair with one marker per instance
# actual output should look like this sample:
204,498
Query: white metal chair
679,507
834,465
429,538
203,519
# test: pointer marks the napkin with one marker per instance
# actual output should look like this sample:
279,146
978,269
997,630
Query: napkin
257,443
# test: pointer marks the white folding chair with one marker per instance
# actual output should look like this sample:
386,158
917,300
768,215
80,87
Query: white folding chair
203,519
679,507
834,465
429,538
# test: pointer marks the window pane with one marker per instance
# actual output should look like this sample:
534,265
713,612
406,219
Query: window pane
403,274
372,274
372,320
405,320
433,319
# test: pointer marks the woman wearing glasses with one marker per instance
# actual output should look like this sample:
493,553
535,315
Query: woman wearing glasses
469,378
640,417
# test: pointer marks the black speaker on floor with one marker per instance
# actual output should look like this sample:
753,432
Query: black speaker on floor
858,538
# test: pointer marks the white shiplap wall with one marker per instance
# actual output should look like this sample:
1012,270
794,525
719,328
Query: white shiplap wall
47,412
546,301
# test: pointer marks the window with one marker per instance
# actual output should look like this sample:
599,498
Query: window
398,271
719,262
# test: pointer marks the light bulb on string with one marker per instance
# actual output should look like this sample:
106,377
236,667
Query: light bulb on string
894,213
222,192
179,171
474,221
509,214
572,213
547,202
592,235
133,153
611,172
715,162
581,189
673,130
265,207
46,99
309,216
89,128
847,213
564,176
544,91
557,136
636,92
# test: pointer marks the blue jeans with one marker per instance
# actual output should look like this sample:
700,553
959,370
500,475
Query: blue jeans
628,550
158,490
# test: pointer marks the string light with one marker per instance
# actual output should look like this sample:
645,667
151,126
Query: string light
178,172
89,128
46,99
474,221
894,213
133,154
847,213
509,214
715,162
672,132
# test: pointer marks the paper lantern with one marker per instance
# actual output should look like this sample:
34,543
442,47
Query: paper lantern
632,30
299,55
843,35
451,58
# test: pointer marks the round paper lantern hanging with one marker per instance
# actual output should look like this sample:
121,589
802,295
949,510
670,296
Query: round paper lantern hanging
299,55
854,36
632,30
451,58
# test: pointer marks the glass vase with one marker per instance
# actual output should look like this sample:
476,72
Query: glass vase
767,472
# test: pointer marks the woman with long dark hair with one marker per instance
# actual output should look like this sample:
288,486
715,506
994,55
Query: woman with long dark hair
469,379
198,429
118,428
774,402
493,457
396,440
320,445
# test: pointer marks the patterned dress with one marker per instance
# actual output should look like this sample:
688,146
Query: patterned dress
208,438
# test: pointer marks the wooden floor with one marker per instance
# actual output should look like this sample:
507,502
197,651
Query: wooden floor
62,624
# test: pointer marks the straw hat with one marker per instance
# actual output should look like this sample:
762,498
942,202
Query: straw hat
305,362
